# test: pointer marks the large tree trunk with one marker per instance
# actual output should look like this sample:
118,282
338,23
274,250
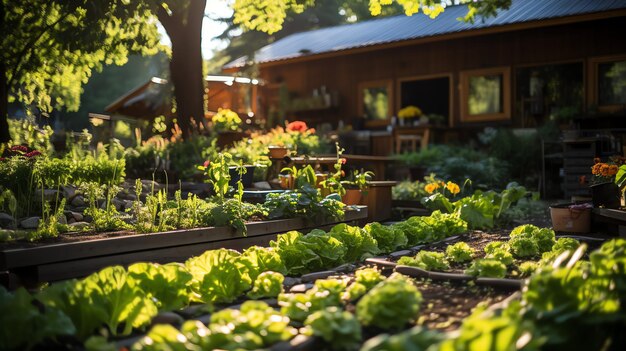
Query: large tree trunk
184,28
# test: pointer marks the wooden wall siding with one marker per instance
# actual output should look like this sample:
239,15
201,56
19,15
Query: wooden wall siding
344,71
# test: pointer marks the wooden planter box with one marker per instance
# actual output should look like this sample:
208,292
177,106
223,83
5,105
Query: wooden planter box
378,200
34,265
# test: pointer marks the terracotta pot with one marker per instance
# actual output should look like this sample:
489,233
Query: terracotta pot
278,151
605,195
352,197
286,181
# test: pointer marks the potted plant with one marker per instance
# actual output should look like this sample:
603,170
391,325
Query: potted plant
408,114
278,151
604,190
226,123
356,187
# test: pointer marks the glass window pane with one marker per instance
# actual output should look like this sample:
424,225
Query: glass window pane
376,103
612,83
485,94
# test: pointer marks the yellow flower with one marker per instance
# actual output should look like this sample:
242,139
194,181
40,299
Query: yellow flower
453,188
431,187
409,112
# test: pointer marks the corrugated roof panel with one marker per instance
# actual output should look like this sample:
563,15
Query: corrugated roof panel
398,28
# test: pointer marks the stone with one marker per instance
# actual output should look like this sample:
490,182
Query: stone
311,277
79,226
400,253
62,220
48,194
291,281
77,216
78,201
345,268
300,288
119,204
71,220
69,192
167,318
30,223
262,185
6,220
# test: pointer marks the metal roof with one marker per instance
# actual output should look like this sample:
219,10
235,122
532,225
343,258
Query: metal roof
399,28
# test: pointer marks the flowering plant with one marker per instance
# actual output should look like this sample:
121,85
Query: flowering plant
409,112
226,120
603,172
443,187
298,126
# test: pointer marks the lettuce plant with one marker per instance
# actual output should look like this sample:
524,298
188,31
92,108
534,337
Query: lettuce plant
218,276
492,246
267,284
167,285
459,253
359,243
325,293
522,246
388,238
565,244
526,269
487,268
500,255
337,327
365,279
391,304
428,260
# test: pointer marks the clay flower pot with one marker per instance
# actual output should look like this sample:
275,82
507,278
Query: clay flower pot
352,197
277,151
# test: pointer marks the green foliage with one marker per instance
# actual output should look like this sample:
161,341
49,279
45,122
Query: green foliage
107,218
523,247
417,339
428,260
325,293
109,297
459,253
407,190
489,330
359,243
565,244
496,245
305,202
305,253
259,259
254,326
437,226
502,255
233,213
46,67
388,238
365,279
166,285
267,284
489,268
392,304
218,276
24,325
526,269
338,328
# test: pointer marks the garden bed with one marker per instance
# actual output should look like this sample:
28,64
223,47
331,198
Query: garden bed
72,256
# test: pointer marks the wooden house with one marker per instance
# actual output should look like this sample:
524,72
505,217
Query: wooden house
540,59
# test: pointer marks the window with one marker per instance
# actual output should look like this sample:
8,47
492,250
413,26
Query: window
553,91
430,93
608,83
485,95
375,102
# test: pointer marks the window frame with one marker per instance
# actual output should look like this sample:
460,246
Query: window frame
593,86
465,76
450,121
387,83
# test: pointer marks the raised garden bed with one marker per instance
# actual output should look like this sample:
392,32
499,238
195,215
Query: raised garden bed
32,263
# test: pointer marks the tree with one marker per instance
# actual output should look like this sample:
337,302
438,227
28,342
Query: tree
49,48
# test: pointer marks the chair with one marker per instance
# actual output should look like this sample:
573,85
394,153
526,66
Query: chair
411,137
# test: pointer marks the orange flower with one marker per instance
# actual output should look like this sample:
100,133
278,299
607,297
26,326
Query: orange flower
604,170
612,170
297,126
453,188
431,187
595,170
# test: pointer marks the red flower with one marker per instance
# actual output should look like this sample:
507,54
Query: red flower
19,148
33,153
2,159
297,126
206,163
343,161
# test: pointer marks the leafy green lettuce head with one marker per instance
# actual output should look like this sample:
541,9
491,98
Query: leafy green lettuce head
391,304
337,327
487,268
459,252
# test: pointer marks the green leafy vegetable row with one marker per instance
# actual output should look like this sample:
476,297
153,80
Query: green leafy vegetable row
115,301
